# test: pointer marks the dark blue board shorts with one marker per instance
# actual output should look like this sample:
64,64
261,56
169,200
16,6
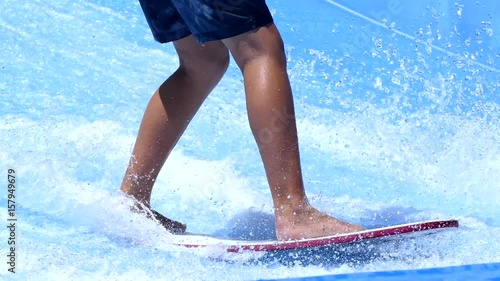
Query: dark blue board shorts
207,20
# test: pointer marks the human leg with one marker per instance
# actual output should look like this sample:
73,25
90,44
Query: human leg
170,110
261,58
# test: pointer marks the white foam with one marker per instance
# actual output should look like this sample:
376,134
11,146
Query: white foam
463,166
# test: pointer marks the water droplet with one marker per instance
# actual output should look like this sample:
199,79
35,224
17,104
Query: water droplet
459,9
486,23
467,42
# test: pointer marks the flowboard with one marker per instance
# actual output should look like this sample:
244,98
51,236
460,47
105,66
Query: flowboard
235,246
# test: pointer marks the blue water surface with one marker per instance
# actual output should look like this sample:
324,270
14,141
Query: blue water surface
398,108
464,272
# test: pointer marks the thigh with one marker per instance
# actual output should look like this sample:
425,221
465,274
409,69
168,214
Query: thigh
211,20
164,20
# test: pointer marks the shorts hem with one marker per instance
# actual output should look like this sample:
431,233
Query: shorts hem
164,38
217,36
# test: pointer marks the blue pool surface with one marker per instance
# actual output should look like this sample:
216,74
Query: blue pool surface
464,272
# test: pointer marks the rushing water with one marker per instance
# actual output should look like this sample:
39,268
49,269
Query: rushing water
398,118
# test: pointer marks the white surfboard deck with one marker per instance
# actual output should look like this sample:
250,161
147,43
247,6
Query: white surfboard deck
235,246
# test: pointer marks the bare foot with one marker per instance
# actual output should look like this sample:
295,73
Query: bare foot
308,222
171,226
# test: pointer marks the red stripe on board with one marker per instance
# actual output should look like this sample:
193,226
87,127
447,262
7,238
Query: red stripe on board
337,239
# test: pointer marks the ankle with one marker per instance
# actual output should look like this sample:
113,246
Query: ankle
140,195
292,209
139,200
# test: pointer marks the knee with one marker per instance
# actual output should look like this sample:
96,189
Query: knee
213,63
218,62
266,43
